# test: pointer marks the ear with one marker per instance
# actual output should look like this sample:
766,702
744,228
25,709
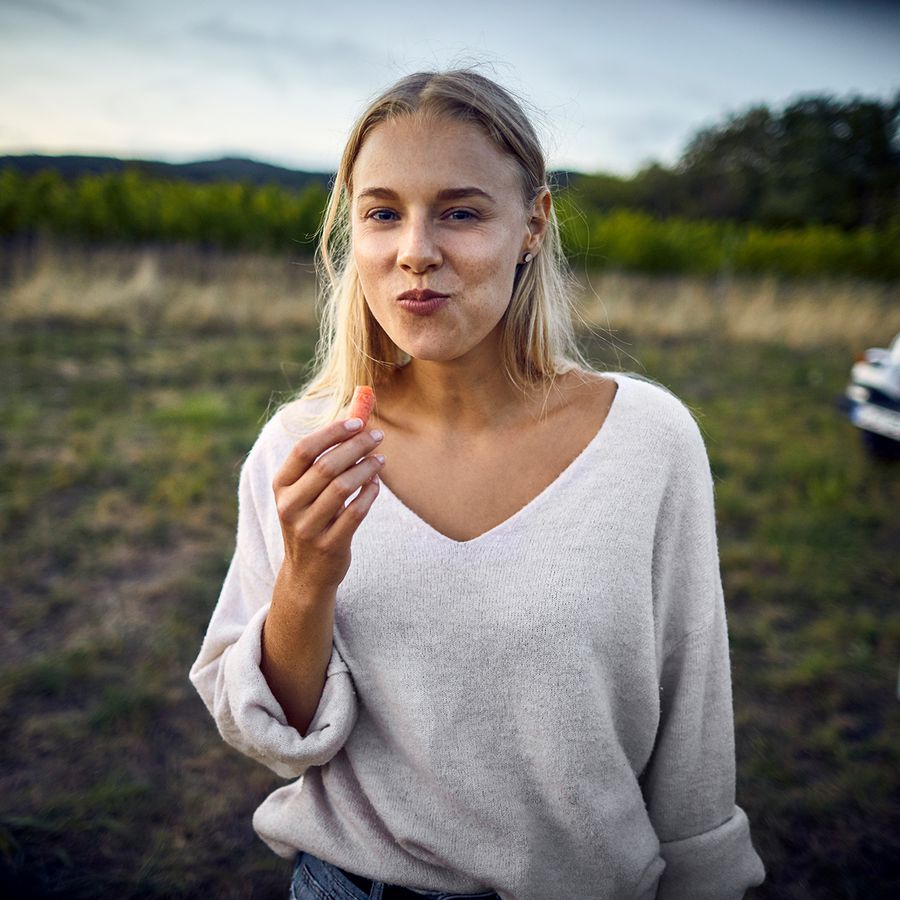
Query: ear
539,219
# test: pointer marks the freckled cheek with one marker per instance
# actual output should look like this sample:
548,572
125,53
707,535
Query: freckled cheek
479,259
371,269
488,265
371,253
489,280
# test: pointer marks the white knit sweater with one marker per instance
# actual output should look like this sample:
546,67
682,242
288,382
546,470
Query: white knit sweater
544,710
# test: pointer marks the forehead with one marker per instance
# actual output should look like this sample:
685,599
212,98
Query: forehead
411,155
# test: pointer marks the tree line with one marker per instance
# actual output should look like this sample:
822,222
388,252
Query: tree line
819,161
131,206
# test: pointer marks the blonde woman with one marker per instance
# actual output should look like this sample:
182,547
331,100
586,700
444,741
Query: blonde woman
483,634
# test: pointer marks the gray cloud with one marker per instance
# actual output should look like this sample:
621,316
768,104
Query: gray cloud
60,12
274,55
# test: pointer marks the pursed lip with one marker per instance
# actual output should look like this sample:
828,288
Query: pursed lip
420,296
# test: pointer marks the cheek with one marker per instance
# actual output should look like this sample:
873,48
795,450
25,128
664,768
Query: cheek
494,265
367,251
372,271
485,259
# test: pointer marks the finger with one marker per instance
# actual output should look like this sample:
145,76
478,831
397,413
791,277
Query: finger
305,452
313,513
336,460
333,499
351,516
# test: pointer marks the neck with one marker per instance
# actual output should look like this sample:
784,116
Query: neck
457,398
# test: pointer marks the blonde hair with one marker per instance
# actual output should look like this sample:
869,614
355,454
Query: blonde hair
538,339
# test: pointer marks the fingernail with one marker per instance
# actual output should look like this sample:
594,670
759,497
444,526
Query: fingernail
378,435
379,457
353,424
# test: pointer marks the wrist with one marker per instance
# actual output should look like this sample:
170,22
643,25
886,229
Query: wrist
301,587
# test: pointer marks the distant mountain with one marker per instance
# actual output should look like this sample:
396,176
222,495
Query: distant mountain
226,169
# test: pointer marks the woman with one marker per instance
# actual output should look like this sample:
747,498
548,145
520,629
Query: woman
518,685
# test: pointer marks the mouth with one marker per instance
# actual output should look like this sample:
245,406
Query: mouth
422,303
421,296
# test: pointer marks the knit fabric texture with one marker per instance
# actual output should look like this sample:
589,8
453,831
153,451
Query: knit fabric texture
544,710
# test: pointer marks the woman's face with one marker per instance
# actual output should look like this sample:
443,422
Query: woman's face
437,207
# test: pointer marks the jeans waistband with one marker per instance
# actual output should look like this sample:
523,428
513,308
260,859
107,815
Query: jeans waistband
348,886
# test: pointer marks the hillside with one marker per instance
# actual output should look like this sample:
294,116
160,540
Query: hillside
231,169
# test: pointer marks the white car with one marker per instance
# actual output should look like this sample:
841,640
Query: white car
872,399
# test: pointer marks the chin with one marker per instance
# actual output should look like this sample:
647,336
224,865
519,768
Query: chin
428,355
420,349
432,352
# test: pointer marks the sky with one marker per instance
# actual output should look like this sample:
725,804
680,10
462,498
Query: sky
612,86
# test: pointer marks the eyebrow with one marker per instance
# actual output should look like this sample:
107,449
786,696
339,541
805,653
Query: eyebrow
460,193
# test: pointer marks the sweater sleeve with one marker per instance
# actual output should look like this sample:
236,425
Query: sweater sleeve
227,672
689,782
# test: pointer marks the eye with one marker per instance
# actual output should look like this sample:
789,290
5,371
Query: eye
461,215
381,215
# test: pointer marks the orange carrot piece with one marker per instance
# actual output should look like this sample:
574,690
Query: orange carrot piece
362,403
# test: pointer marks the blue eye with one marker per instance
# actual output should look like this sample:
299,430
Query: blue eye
381,215
461,215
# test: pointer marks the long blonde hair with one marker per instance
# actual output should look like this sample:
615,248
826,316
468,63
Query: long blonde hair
538,339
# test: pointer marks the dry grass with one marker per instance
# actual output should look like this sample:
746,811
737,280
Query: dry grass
807,314
158,286
174,287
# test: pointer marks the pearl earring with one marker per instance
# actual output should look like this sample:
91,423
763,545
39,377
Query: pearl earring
528,258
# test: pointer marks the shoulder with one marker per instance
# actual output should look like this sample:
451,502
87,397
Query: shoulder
656,413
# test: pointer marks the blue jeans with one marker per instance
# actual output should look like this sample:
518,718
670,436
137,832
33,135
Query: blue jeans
315,879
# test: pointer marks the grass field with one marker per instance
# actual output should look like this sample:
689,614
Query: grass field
134,382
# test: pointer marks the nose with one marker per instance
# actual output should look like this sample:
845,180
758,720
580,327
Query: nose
418,250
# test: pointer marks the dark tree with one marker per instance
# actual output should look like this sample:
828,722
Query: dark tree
820,161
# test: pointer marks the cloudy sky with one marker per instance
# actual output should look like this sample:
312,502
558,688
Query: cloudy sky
617,84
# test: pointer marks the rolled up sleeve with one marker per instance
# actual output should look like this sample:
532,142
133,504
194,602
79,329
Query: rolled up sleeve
227,672
719,864
689,784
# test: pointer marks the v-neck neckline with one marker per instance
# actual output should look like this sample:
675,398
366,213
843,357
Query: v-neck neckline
600,436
